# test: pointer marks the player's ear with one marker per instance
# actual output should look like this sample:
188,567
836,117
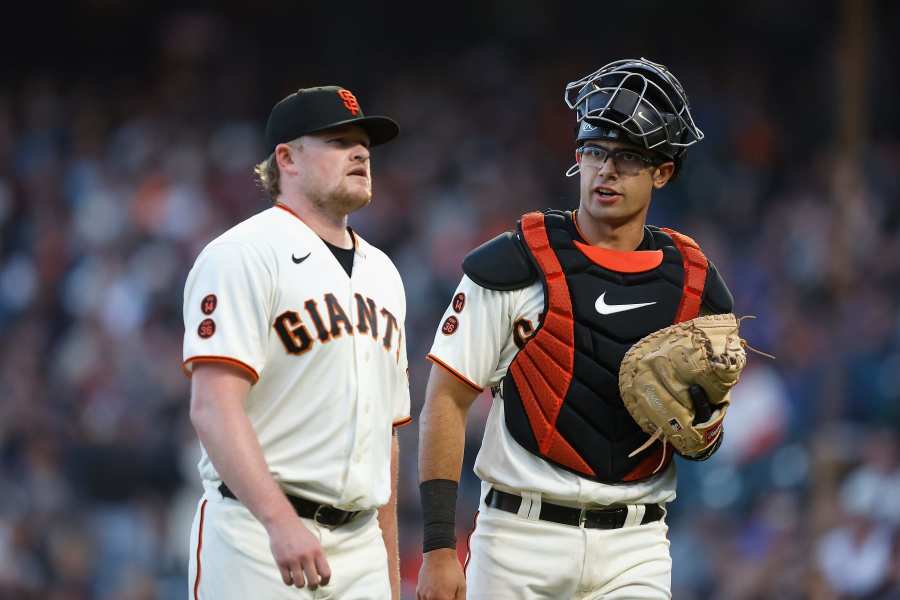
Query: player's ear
663,173
286,156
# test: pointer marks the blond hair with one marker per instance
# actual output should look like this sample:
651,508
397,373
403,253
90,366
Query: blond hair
268,176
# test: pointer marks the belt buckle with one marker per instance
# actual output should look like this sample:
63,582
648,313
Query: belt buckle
319,511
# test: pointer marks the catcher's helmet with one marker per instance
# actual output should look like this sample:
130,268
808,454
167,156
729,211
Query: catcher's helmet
634,100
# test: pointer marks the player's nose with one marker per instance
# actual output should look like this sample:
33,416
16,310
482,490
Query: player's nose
607,170
360,153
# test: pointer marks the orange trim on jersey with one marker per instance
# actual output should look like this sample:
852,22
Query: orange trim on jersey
199,546
402,423
353,235
622,261
454,372
695,270
290,210
220,359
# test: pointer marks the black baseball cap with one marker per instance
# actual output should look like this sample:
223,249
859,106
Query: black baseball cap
310,110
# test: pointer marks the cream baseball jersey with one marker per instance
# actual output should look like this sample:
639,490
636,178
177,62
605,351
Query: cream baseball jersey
326,353
479,335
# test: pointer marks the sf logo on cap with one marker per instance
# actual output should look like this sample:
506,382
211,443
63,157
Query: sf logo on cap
350,102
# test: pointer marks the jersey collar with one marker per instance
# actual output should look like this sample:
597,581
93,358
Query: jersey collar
359,244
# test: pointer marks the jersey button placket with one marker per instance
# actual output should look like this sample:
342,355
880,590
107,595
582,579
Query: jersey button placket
357,478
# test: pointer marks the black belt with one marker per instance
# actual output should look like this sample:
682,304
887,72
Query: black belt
324,514
600,518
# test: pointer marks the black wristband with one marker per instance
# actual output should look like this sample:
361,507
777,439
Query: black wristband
438,513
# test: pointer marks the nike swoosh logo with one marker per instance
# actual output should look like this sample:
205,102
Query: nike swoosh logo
297,261
610,309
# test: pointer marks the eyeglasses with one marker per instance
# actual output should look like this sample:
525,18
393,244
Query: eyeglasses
627,162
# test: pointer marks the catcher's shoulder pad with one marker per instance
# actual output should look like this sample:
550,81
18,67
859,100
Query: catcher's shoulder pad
500,264
717,298
660,237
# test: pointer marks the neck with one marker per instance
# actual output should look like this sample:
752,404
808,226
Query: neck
328,225
626,236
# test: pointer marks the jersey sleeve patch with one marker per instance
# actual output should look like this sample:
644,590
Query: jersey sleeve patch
226,306
478,343
451,324
459,302
209,303
206,329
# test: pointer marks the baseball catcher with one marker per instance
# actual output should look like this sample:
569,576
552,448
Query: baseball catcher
608,344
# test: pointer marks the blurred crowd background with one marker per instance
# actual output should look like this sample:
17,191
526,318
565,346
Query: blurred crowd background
127,140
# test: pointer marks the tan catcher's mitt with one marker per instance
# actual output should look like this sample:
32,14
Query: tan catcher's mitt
676,381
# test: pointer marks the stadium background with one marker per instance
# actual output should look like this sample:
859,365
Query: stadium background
127,138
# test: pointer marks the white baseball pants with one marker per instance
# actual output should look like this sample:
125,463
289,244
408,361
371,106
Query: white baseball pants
231,560
514,557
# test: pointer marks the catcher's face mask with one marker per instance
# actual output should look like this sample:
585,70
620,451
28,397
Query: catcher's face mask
635,101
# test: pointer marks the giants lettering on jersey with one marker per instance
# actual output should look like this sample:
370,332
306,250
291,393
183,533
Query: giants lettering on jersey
331,322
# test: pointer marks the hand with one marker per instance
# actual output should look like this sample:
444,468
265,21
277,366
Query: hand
297,553
702,408
441,576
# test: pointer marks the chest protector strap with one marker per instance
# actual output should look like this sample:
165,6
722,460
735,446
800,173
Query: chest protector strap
695,268
695,271
543,370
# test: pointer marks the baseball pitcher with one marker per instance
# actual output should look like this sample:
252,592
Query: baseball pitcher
295,344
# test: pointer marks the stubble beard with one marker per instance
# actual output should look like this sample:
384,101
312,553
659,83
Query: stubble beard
342,200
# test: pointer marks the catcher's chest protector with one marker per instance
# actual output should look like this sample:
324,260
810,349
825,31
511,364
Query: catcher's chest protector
560,394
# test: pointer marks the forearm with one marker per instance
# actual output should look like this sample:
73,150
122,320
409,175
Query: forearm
387,519
442,431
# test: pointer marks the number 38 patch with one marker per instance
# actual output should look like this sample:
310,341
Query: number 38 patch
207,328
451,324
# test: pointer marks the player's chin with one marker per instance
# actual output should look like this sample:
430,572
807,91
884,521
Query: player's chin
353,198
618,213
358,186
605,208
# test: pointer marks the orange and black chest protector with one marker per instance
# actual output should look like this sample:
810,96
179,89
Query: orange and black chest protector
560,395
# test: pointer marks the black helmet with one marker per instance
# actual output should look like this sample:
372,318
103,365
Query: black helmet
634,100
